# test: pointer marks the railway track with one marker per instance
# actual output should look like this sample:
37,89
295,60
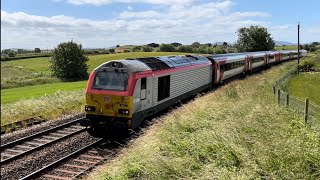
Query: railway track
29,144
72,165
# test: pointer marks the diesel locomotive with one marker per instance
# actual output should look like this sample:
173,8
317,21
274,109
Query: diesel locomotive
120,94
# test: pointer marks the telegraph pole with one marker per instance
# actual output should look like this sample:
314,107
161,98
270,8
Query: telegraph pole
298,45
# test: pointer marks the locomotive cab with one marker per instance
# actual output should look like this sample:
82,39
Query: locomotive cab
109,95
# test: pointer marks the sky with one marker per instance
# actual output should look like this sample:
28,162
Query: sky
105,23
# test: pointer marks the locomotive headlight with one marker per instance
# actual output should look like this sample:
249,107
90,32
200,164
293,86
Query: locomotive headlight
90,108
123,111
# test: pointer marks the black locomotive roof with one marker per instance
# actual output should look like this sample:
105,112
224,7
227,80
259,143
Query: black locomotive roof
152,63
166,62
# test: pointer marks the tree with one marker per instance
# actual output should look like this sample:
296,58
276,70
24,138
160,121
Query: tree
195,44
147,49
176,44
254,38
315,43
37,50
11,54
111,50
69,61
306,47
225,44
136,49
154,45
167,48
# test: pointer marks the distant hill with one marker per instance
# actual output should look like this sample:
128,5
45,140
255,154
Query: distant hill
286,43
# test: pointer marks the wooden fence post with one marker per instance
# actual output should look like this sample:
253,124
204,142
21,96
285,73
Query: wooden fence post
274,89
279,96
306,109
287,99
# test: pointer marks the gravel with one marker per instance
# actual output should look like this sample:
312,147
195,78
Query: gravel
30,163
9,137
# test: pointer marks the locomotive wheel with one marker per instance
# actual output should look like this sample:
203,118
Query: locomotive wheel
94,132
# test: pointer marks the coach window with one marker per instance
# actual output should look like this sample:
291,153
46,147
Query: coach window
163,87
143,88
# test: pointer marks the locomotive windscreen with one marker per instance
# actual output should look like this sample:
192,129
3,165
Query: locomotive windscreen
109,80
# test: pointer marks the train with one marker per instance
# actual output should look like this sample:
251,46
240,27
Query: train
120,94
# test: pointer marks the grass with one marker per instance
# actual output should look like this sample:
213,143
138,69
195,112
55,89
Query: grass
47,107
286,47
305,85
16,76
236,132
30,92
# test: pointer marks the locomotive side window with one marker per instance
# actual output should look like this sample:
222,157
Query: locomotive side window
110,81
143,95
143,83
163,87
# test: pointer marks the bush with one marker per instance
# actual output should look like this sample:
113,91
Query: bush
308,64
220,50
68,61
136,49
147,49
11,54
166,48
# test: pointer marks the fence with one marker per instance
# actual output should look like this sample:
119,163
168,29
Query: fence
309,110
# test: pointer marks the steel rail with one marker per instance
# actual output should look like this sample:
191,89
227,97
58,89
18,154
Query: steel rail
30,149
37,173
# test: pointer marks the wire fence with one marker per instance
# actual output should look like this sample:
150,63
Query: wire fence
307,109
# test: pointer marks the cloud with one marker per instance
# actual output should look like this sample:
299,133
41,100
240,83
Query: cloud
203,22
106,2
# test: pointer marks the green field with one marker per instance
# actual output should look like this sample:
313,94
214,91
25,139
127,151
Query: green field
286,47
305,85
28,92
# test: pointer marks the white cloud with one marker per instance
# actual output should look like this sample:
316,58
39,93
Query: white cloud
204,22
105,2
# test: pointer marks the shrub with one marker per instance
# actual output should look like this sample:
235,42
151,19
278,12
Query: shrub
147,49
136,49
167,48
69,61
307,64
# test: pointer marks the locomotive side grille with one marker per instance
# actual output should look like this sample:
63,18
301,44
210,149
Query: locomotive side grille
154,63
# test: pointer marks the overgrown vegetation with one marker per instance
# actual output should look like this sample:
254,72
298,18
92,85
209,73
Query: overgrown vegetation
218,136
48,107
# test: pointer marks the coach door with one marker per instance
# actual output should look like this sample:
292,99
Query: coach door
218,73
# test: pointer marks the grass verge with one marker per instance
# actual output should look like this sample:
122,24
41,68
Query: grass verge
236,132
30,92
48,107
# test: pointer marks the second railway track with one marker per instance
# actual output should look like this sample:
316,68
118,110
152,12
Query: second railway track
23,146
